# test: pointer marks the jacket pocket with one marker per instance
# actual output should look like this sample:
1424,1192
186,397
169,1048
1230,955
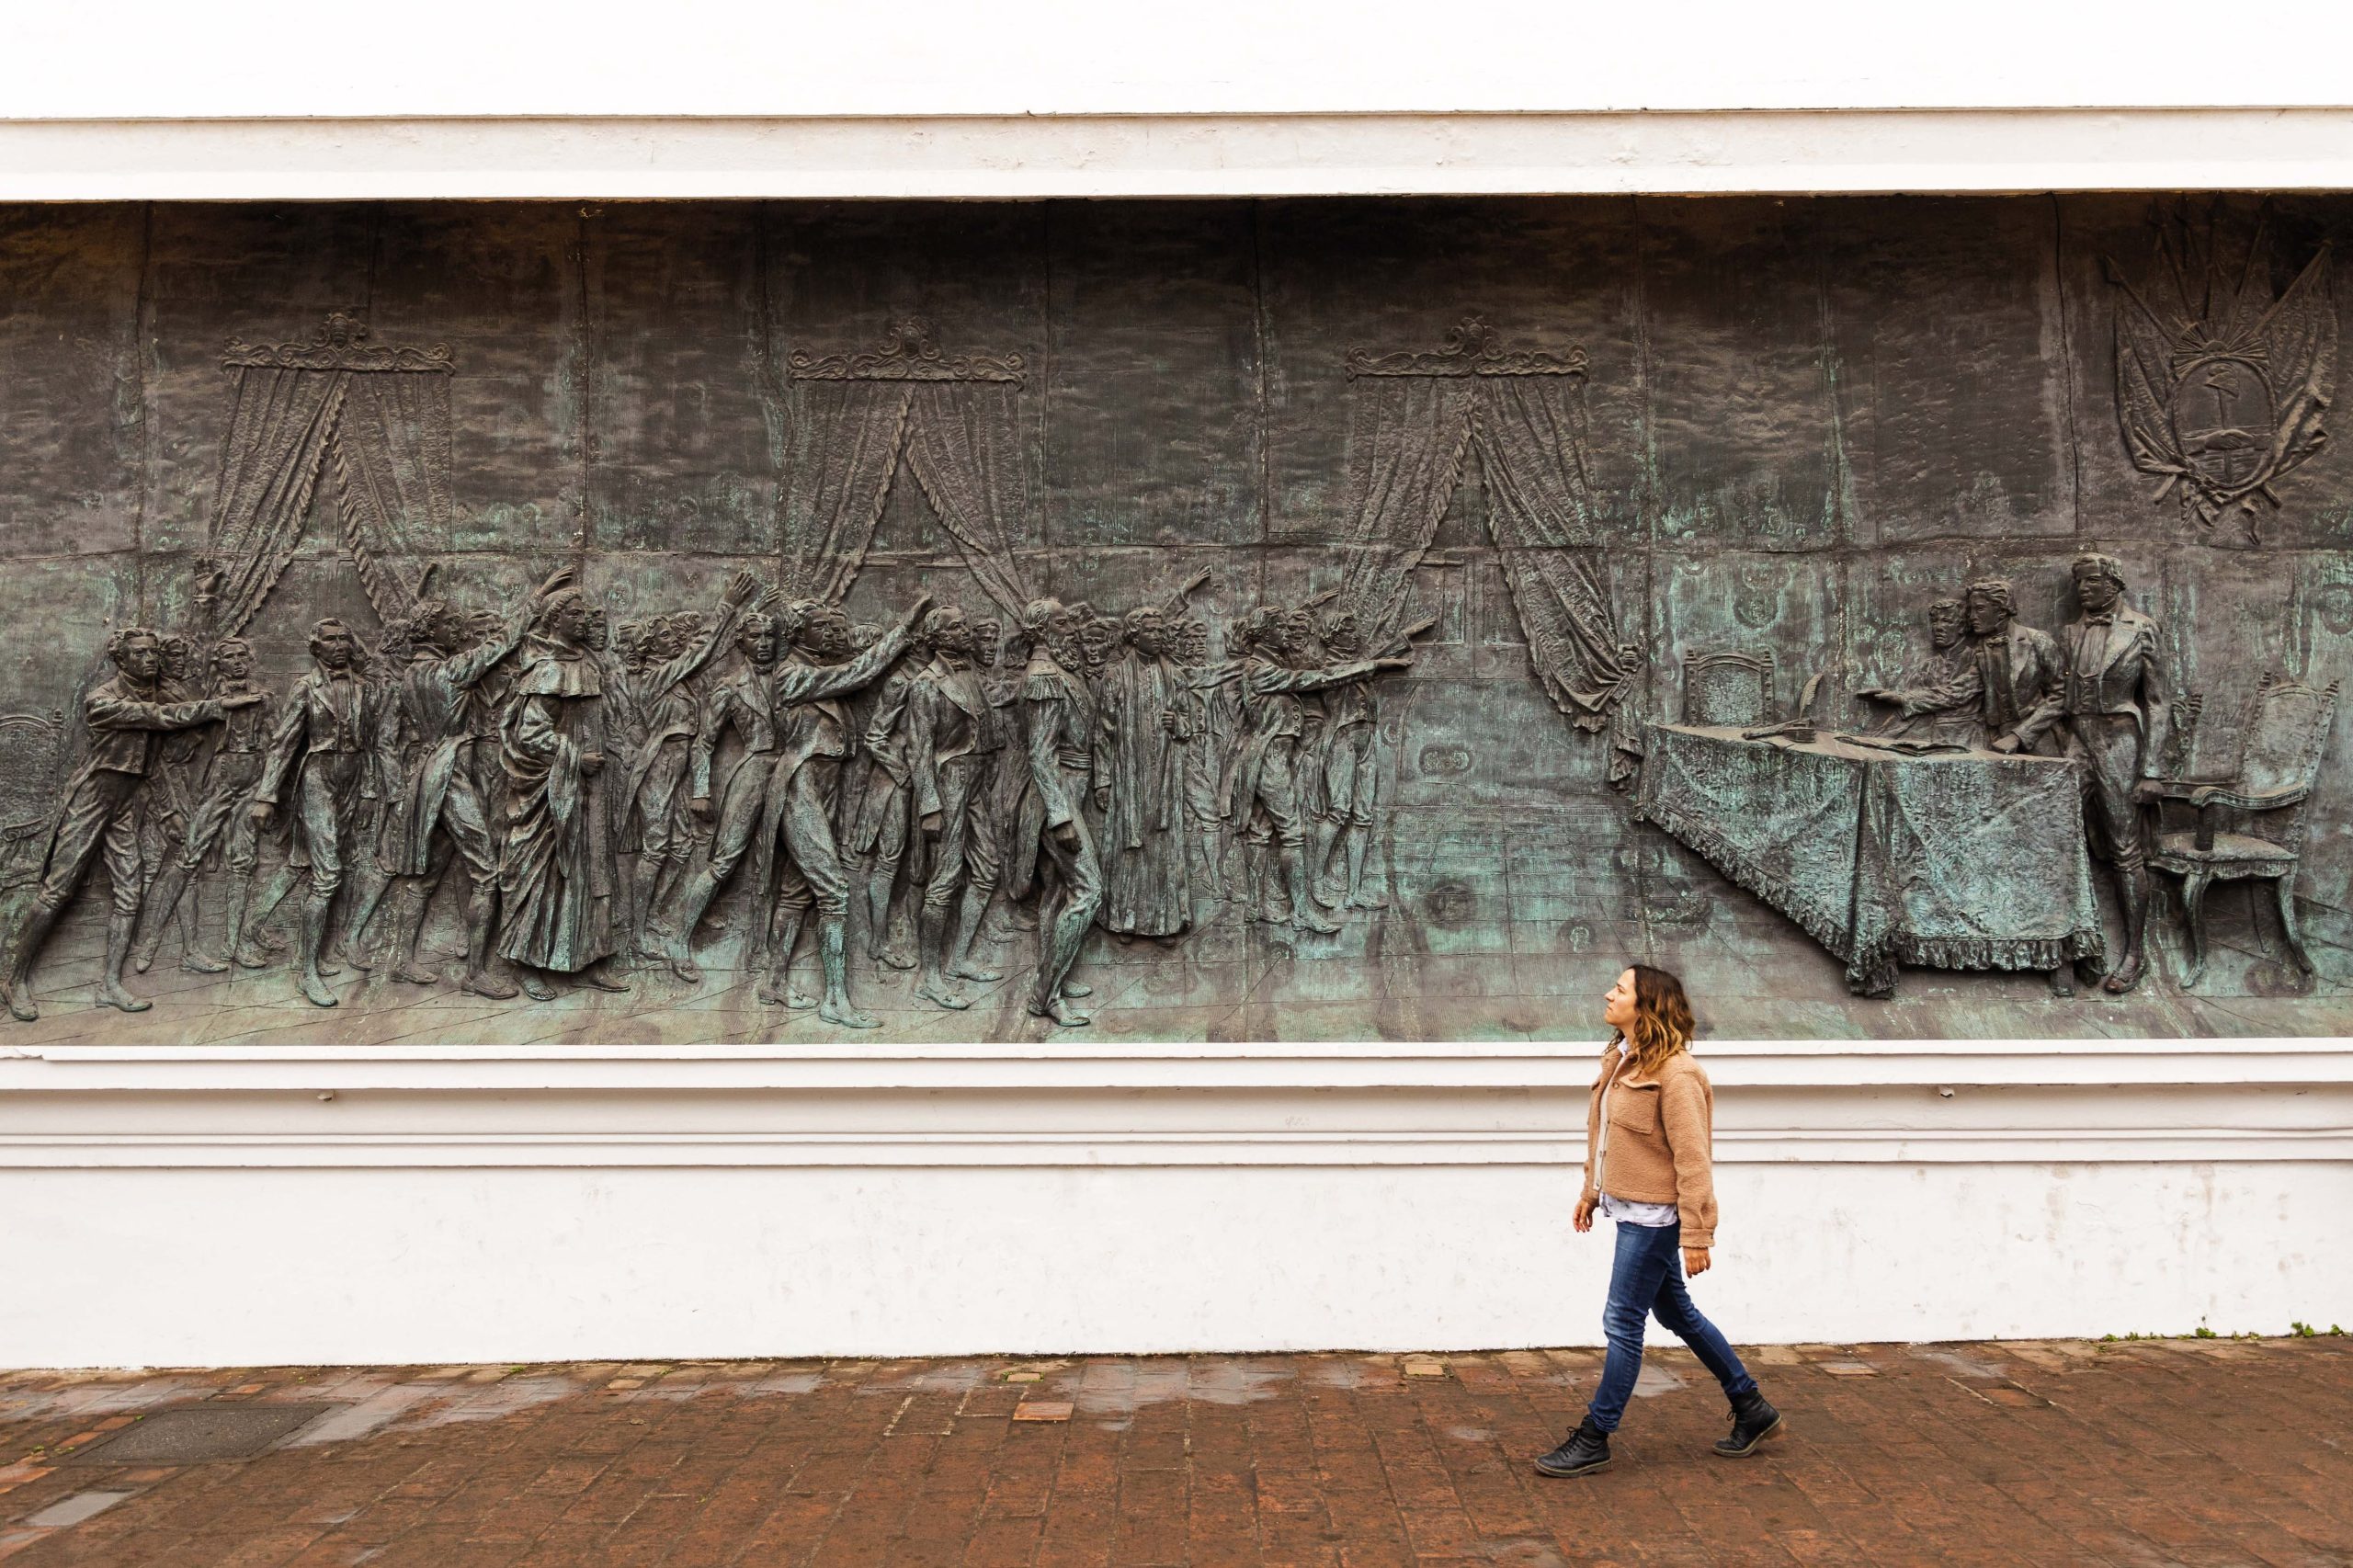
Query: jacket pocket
1636,1110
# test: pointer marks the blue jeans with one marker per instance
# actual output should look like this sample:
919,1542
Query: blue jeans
1646,1278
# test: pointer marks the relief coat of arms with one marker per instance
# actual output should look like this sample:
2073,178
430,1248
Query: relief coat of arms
2221,382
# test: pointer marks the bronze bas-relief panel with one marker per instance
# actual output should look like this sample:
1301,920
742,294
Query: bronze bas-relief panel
1191,621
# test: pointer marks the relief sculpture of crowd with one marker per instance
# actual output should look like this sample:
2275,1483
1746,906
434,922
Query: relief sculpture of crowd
597,787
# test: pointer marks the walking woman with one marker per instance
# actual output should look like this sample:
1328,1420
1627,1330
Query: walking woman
1648,1166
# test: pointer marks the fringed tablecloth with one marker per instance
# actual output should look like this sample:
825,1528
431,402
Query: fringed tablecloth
1955,861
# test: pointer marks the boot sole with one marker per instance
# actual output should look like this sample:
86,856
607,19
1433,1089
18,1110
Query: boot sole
1779,1423
1558,1473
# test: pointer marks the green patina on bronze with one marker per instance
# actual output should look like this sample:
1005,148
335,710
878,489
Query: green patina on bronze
1209,620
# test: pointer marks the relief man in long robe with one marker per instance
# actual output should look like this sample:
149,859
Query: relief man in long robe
556,873
435,813
1215,709
1145,721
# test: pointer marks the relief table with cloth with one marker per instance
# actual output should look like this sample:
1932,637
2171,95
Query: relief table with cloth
1948,858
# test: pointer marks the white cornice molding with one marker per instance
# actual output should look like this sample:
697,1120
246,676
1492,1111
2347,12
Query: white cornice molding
1057,1104
1060,1066
1779,151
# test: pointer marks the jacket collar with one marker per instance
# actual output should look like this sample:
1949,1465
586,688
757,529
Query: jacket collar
2122,623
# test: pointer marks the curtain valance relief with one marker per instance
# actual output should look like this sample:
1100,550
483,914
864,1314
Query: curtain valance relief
952,419
381,413
1415,419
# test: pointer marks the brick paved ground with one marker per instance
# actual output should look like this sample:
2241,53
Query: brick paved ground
2170,1452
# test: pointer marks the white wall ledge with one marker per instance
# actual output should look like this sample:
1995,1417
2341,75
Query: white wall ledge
1070,1104
1015,156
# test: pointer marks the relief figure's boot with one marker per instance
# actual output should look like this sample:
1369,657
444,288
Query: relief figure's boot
693,898
17,989
250,950
2132,893
931,942
880,883
1359,840
163,898
1303,912
645,889
480,979
120,925
277,891
776,988
318,910
368,885
1322,838
961,962
240,891
408,924
194,957
833,939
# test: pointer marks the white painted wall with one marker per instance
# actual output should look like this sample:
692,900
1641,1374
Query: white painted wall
234,58
623,99
447,1206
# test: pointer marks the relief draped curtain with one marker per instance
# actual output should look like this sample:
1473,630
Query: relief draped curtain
965,449
852,433
956,422
1531,434
1407,439
381,414
1414,418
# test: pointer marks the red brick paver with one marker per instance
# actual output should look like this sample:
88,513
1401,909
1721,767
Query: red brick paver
2206,1452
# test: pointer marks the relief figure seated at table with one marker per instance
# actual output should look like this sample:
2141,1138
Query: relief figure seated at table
1977,691
1950,834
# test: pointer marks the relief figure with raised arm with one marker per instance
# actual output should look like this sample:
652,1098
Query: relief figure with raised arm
127,719
813,736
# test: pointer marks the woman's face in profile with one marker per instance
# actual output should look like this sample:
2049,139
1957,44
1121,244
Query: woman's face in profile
1617,1008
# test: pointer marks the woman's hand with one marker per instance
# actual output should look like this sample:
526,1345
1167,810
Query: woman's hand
1583,1219
1695,1260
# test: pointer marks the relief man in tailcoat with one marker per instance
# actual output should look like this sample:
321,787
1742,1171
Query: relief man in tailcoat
222,838
2110,712
1265,775
655,793
813,736
127,718
326,751
1058,722
955,746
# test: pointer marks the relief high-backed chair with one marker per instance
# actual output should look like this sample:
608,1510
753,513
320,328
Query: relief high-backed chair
32,768
1728,687
2251,822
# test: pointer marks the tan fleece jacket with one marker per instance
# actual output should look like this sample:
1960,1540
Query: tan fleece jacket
1661,1142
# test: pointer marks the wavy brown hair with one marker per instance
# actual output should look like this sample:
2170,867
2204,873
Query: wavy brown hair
1662,1023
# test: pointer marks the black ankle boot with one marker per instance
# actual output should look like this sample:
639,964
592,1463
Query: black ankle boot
1581,1452
1752,1421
